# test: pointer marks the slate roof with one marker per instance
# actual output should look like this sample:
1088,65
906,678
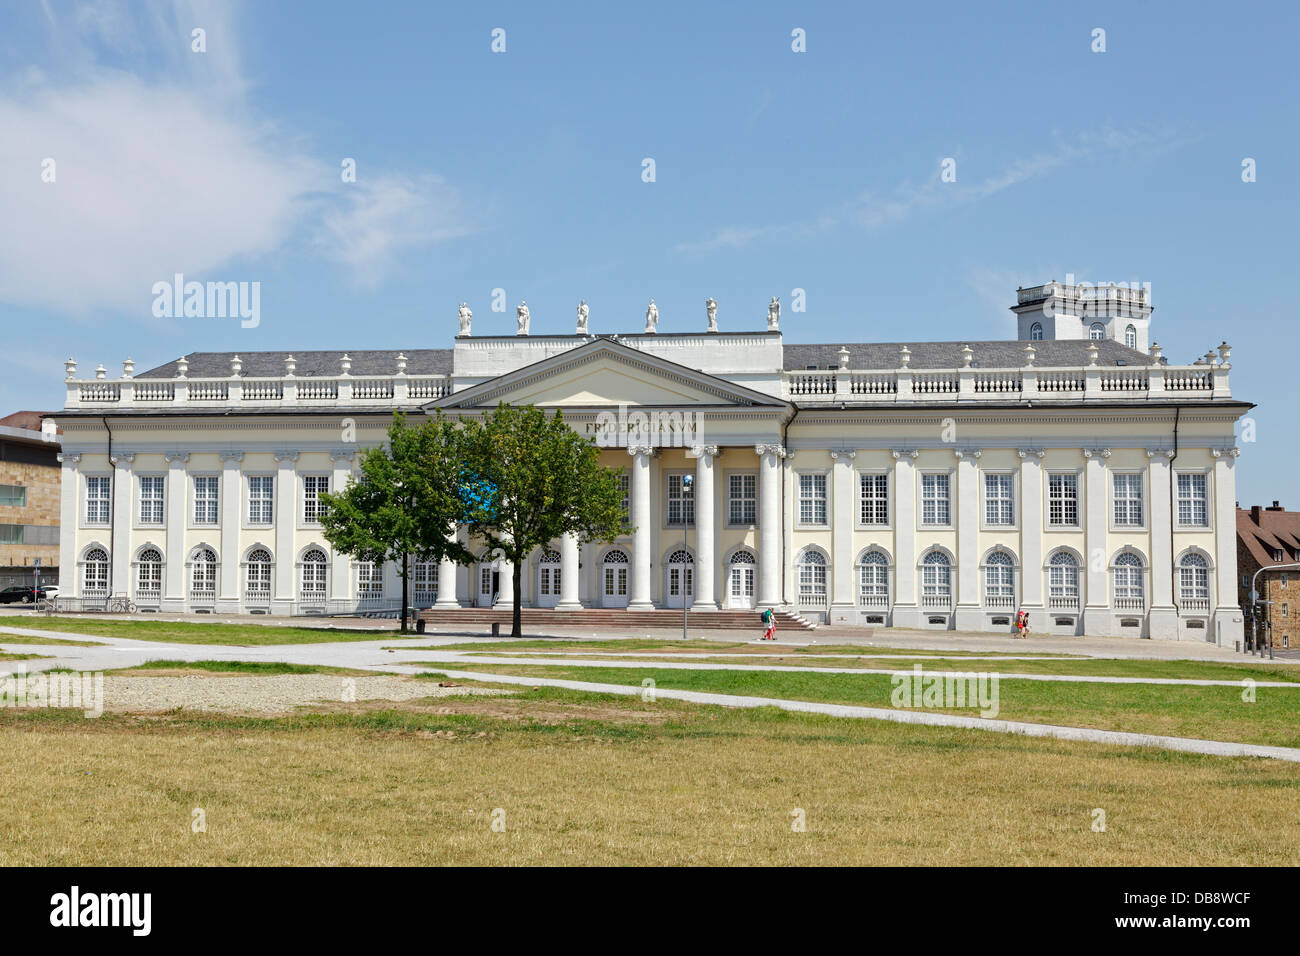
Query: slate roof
310,364
1004,354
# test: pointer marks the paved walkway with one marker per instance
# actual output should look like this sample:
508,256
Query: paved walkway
395,655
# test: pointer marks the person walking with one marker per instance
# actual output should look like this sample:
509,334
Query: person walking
1020,623
769,625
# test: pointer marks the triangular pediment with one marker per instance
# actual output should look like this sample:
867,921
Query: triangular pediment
606,374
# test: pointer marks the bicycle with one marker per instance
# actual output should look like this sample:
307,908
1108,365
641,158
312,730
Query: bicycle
120,605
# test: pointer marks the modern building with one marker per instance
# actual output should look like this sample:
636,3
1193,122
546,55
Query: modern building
920,484
29,499
1268,559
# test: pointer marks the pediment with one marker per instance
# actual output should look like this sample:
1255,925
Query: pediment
606,374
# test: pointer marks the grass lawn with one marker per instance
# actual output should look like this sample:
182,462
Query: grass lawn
28,639
21,657
698,647
183,632
234,669
589,779
1215,713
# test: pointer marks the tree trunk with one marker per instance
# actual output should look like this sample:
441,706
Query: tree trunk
516,624
405,582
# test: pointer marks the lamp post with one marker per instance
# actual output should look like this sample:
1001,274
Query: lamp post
688,494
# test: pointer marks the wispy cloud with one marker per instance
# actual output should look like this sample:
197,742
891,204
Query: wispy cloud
871,210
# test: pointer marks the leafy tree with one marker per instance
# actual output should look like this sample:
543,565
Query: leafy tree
535,479
404,504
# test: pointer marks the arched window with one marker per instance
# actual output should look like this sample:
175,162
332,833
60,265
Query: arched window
1194,580
203,574
681,556
1131,337
936,580
313,574
96,575
1096,331
873,580
1129,594
743,557
148,574
1036,332
999,580
258,575
812,578
1063,581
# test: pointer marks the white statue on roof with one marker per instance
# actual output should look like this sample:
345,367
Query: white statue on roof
711,307
651,318
522,316
464,315
582,317
774,314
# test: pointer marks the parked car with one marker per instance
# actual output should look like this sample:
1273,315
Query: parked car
25,594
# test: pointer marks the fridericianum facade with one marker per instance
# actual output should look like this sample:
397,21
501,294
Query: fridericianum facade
1073,472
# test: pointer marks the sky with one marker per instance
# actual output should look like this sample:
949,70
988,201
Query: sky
525,169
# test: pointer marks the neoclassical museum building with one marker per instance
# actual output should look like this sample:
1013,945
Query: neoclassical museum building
1074,472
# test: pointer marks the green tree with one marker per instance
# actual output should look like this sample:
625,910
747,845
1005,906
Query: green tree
545,480
405,503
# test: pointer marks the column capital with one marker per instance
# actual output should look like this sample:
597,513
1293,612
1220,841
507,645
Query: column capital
1038,453
848,456
120,457
1102,453
704,451
338,454
1167,453
642,449
69,457
1231,452
285,454
177,456
235,456
777,450
960,453
905,453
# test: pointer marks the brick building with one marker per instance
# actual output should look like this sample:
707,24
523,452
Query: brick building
30,480
1270,538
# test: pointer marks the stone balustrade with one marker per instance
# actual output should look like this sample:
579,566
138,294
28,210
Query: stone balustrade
246,392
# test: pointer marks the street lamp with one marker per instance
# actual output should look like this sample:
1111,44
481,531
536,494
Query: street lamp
688,494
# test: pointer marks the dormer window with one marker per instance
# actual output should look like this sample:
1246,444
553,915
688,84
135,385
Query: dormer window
1036,332
1096,332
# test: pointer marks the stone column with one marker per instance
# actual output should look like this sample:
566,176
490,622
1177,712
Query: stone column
706,596
505,583
642,535
447,581
1031,535
228,597
120,546
70,482
1228,627
906,611
844,599
286,520
1097,615
969,614
1162,619
569,573
176,501
769,525
341,564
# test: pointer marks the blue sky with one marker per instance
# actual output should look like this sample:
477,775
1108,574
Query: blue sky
522,170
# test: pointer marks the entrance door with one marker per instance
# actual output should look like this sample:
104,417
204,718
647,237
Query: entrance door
613,579
548,579
679,588
487,585
740,581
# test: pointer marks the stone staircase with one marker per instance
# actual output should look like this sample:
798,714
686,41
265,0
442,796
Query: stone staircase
615,619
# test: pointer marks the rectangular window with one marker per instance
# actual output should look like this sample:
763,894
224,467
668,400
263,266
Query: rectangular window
999,500
681,501
97,491
370,580
151,499
312,486
14,496
1193,501
1063,500
875,499
1127,493
936,508
742,499
261,499
205,499
11,534
812,499
625,485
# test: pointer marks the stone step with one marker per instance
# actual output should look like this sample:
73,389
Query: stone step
612,618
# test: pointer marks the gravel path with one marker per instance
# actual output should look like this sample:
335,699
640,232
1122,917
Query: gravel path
270,695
